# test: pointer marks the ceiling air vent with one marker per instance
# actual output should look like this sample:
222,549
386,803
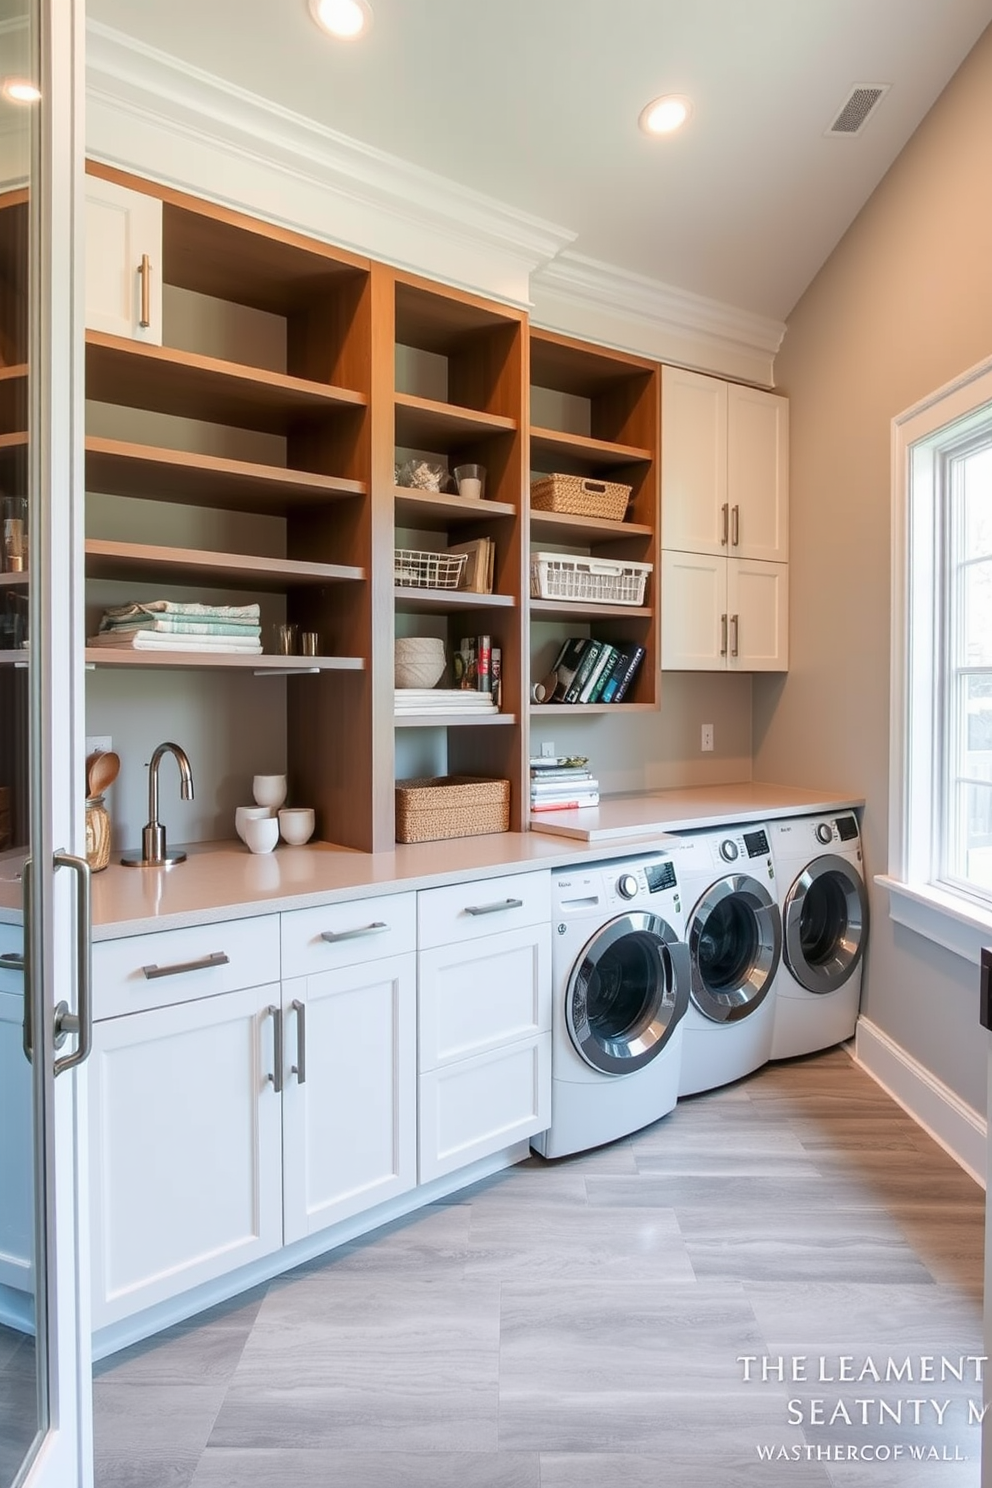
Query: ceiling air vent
857,109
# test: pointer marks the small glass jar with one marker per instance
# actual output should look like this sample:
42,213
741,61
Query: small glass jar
97,833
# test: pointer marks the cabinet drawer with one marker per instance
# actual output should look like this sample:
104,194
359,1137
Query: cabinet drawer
479,1106
171,966
472,910
496,991
346,934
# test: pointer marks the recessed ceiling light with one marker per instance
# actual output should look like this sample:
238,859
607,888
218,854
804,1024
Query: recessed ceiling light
345,19
20,90
665,114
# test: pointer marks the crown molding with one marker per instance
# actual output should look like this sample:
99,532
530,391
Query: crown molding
143,103
653,318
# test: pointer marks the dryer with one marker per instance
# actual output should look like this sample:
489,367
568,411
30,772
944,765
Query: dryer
620,971
734,934
824,925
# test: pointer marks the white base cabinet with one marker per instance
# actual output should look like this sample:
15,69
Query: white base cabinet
723,614
185,1159
349,1102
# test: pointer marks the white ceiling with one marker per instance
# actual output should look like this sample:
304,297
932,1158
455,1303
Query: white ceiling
535,102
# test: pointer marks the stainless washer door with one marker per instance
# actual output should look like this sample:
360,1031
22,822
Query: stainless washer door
826,917
735,943
627,993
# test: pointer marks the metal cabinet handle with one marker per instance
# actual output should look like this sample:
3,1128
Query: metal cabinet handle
376,928
736,527
11,961
726,524
300,1067
27,1026
275,1079
145,273
79,1023
179,968
482,909
723,635
735,621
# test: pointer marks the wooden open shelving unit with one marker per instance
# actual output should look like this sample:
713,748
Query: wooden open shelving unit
350,413
619,396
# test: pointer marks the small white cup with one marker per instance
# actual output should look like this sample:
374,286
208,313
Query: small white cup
262,834
269,790
249,813
296,824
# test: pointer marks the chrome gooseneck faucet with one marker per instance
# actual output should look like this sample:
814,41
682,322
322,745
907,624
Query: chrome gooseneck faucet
153,848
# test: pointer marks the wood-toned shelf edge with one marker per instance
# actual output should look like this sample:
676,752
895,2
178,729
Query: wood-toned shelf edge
576,610
454,413
235,570
451,720
445,502
616,708
14,580
276,478
598,528
604,451
459,598
223,660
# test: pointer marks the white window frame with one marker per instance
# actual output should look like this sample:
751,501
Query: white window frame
954,919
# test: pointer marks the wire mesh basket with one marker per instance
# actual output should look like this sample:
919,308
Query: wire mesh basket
420,570
588,580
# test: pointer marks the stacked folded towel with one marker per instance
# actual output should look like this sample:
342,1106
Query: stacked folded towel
167,625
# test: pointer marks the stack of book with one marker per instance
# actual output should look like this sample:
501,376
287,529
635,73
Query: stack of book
411,700
561,782
588,671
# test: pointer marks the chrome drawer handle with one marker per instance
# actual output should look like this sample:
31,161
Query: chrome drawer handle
275,1079
725,510
217,958
376,928
11,961
481,909
735,527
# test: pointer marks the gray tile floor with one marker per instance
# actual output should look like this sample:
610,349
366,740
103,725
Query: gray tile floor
580,1324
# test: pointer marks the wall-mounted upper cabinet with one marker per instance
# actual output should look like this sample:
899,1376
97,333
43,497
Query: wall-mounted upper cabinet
123,261
723,614
724,468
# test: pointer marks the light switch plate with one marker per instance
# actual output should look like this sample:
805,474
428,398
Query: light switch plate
706,738
547,750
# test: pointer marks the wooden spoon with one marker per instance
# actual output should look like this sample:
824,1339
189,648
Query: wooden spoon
101,772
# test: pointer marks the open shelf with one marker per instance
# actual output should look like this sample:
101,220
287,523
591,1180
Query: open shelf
14,580
600,453
439,601
616,708
139,375
120,468
573,610
182,660
127,560
452,720
423,423
562,527
434,511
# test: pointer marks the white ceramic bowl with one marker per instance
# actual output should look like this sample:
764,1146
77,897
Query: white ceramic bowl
249,813
269,790
262,834
419,661
296,824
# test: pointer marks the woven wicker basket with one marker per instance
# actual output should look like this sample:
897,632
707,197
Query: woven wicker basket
580,496
431,809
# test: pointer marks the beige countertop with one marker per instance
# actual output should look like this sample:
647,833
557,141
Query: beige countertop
223,880
618,818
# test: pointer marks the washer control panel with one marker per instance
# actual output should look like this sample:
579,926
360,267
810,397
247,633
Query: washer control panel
615,886
745,850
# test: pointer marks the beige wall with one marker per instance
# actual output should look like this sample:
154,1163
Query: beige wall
903,304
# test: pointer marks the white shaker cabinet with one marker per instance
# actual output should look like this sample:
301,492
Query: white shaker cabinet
123,261
484,972
185,1155
724,468
350,1061
723,614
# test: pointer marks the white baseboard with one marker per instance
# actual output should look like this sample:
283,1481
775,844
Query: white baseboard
956,1127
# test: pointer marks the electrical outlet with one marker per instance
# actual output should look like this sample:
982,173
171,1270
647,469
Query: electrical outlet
547,750
706,741
98,744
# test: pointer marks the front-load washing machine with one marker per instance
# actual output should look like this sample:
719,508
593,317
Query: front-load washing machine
824,925
620,973
734,934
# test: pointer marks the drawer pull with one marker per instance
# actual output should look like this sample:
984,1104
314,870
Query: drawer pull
481,909
12,961
376,928
725,509
277,1052
300,1067
145,274
735,527
217,958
